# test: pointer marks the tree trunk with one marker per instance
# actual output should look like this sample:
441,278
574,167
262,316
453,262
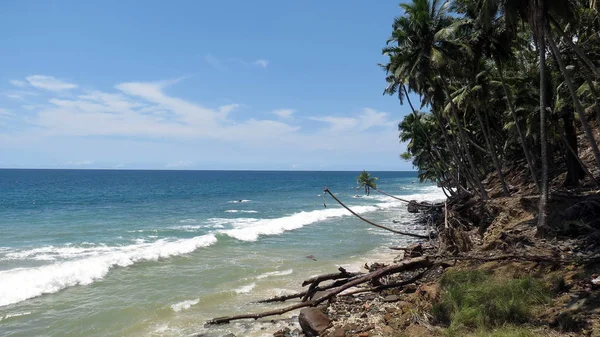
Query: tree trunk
542,225
582,57
429,139
576,102
408,99
574,170
452,152
520,133
463,138
492,151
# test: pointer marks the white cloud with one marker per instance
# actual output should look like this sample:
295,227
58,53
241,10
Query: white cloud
226,109
371,118
223,63
367,119
284,113
152,124
19,94
49,83
5,113
261,63
145,110
337,123
18,83
214,62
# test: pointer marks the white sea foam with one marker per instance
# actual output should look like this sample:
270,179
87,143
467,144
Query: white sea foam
15,314
238,201
19,284
249,229
239,211
184,305
245,289
275,273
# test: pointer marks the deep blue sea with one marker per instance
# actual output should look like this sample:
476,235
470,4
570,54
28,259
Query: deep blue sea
157,253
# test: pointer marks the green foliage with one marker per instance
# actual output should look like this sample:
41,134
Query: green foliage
479,57
365,180
558,284
476,301
507,331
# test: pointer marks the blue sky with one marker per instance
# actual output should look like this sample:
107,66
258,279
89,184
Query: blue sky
224,84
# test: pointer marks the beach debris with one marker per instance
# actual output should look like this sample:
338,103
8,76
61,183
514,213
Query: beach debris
391,298
414,250
313,321
412,207
342,285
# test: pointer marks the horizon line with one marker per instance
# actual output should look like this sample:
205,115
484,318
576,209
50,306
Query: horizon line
166,169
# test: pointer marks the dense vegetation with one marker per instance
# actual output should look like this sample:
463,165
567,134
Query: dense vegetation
478,66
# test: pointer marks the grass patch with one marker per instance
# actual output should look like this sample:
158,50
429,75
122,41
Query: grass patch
507,331
476,301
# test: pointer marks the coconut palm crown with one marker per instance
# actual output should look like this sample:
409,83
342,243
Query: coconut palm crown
365,180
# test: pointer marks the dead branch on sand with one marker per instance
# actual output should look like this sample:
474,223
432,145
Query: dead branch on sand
417,263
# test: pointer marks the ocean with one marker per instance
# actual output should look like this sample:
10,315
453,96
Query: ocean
157,253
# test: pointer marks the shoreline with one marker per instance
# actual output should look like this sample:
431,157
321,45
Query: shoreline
286,325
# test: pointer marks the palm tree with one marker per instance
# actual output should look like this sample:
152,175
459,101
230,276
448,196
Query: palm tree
419,56
486,35
573,93
365,180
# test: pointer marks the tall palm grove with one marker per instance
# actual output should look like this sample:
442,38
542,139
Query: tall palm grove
499,81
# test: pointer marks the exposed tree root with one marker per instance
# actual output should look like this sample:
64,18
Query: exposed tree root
417,263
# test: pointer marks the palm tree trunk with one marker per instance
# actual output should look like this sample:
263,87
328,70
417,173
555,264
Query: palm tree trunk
408,99
371,222
586,60
429,141
520,133
575,171
454,154
576,102
492,151
463,138
542,225
576,156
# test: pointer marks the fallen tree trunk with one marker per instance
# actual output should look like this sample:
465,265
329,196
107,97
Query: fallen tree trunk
409,201
311,290
371,222
333,276
388,286
421,262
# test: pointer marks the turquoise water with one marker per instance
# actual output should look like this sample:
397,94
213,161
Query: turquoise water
157,253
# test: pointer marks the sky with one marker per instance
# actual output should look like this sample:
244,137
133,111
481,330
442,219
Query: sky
256,85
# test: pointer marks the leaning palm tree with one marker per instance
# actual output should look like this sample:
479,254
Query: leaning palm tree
365,180
417,57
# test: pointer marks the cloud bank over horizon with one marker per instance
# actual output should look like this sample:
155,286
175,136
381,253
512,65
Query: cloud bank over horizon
144,125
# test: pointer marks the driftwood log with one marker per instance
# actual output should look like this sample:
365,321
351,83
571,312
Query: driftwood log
413,264
343,276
